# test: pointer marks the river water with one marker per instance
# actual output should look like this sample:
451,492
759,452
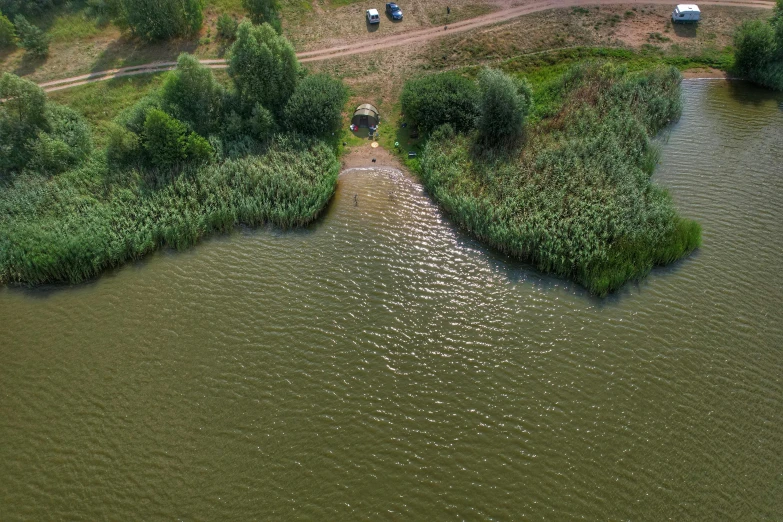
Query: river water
383,365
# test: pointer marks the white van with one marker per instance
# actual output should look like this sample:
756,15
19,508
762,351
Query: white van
686,14
373,17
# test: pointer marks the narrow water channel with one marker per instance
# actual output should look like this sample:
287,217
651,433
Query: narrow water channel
383,365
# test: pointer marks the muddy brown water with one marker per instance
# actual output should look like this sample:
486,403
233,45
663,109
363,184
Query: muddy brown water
383,365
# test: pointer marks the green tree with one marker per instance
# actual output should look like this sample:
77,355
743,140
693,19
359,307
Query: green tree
503,107
754,44
161,19
164,138
227,27
167,142
22,118
7,32
264,11
38,135
25,7
123,146
31,38
264,67
192,95
777,23
438,99
66,143
316,106
262,123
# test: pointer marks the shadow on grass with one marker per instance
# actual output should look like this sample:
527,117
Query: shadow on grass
29,64
685,30
127,51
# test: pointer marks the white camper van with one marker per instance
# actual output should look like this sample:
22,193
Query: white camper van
686,14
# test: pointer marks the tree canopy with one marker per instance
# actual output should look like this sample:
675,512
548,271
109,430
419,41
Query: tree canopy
264,67
161,19
316,106
504,106
438,99
192,94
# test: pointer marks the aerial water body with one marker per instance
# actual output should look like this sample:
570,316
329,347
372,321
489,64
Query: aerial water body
381,364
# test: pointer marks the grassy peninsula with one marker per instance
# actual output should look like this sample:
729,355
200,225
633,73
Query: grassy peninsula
191,158
571,192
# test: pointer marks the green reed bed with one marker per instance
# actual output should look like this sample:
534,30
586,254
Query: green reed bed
71,227
576,199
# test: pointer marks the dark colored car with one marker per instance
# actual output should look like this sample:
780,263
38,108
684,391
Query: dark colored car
394,11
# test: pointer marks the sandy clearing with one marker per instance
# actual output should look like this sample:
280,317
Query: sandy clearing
371,44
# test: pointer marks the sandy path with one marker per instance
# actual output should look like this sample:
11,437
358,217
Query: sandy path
370,44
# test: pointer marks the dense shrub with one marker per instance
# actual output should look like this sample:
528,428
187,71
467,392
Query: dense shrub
577,201
264,67
437,99
25,7
264,11
759,50
67,142
36,134
70,228
31,38
261,124
315,108
227,27
123,145
133,118
167,142
7,32
192,94
754,44
161,19
503,107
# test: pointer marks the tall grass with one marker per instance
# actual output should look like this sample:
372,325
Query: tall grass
73,226
577,200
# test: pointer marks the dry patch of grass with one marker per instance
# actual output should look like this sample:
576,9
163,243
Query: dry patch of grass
83,43
330,24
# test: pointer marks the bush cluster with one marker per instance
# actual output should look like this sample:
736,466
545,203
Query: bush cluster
264,11
31,38
577,201
7,32
439,99
503,107
159,19
36,134
497,105
227,27
758,48
26,7
191,158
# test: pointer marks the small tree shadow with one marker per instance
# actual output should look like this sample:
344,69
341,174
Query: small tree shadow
128,50
29,64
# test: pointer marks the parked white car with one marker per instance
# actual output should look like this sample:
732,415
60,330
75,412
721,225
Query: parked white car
373,17
686,14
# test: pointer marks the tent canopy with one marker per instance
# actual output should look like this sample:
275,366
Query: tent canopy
366,115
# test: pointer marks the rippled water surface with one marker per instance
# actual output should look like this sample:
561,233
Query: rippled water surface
383,365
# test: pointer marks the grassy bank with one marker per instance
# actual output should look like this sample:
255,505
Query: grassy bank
576,200
178,157
77,224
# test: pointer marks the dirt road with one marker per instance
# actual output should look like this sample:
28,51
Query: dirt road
370,44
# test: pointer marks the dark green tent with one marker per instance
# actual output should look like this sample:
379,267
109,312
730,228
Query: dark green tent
366,115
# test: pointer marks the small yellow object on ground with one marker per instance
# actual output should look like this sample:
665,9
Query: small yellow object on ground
374,145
